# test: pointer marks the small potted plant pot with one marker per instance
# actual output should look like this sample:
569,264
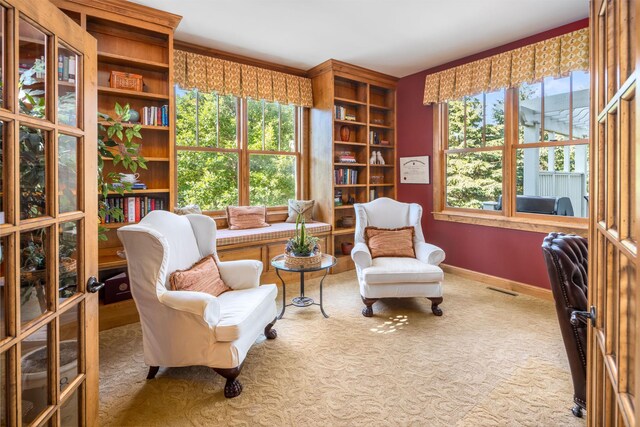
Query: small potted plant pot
346,248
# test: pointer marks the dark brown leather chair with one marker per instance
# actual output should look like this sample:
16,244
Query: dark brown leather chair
566,256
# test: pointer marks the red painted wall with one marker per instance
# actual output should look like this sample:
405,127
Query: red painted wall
510,254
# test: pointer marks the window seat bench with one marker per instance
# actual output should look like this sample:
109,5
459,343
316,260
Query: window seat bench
262,244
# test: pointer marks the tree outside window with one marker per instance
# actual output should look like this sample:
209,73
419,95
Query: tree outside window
214,152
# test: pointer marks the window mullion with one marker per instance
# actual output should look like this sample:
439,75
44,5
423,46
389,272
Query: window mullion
279,126
243,157
217,120
263,126
197,117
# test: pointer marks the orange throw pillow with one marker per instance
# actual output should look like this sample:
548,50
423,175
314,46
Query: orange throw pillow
203,276
390,242
242,217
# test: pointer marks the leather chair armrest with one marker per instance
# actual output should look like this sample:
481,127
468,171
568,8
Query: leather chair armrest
198,303
242,274
361,256
429,254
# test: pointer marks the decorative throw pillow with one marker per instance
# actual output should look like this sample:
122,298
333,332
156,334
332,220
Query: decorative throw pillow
186,210
203,276
390,242
304,207
241,217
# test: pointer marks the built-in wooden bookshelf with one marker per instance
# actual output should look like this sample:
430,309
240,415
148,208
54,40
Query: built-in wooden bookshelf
129,43
369,102
139,40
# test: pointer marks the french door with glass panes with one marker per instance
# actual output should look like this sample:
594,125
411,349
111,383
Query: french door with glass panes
613,359
48,218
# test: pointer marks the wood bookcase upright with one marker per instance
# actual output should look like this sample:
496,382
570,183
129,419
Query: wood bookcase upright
369,98
139,40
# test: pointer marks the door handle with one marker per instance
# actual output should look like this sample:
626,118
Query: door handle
93,285
582,316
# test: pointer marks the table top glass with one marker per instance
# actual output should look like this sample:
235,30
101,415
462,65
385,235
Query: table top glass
327,261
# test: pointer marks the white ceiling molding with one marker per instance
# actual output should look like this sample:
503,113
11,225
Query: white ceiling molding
398,37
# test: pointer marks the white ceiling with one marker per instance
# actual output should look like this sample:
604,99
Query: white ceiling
398,37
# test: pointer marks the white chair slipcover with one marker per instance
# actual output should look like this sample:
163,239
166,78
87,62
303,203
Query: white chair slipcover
392,277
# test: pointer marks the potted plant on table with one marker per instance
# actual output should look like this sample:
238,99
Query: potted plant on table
302,249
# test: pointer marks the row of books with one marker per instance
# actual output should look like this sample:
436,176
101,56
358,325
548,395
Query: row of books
133,208
345,176
155,116
67,68
341,114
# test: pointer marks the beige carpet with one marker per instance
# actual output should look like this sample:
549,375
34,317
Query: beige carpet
491,360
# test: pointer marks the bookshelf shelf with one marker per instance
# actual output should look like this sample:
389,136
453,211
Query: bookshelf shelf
350,122
380,107
353,165
117,225
132,94
142,127
339,100
129,61
369,97
358,144
147,191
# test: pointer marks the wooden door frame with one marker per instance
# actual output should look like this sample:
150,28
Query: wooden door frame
59,29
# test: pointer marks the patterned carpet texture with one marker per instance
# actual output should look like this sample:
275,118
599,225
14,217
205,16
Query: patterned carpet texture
491,360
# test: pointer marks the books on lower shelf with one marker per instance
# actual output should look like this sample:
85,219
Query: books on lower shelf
155,116
133,208
345,176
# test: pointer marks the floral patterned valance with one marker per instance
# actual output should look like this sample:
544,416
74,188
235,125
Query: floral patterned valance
208,74
554,57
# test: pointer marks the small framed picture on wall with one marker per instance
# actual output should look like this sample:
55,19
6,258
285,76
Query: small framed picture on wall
414,170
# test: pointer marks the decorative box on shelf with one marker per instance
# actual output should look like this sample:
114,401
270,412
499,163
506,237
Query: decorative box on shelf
377,179
129,81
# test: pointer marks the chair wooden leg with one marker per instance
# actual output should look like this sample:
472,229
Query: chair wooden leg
271,334
153,370
434,305
232,388
368,302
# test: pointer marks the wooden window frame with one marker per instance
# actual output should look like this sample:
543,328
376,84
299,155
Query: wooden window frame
507,217
244,155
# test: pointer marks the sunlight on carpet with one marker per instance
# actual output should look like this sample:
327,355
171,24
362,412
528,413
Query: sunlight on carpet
491,359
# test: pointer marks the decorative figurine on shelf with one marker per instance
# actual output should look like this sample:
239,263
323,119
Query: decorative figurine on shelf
380,159
373,159
351,200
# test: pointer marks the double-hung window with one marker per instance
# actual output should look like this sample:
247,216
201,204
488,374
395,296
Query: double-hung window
235,151
516,157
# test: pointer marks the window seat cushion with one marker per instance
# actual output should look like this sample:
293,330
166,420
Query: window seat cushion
278,230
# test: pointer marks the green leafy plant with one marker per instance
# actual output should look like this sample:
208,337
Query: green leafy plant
302,243
116,145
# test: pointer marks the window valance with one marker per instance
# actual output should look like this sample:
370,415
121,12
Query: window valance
208,74
554,57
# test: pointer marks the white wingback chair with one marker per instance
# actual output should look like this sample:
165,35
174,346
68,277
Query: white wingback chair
390,277
185,328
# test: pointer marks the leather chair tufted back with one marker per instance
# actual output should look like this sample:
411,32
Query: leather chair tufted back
566,256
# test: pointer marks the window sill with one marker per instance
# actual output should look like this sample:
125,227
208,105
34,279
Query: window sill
528,223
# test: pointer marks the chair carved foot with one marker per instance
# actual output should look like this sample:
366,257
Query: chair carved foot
271,334
153,370
232,388
434,306
577,411
368,310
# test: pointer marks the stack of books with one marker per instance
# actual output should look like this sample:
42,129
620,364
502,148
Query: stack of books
133,208
346,157
155,116
374,137
67,68
345,176
341,112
